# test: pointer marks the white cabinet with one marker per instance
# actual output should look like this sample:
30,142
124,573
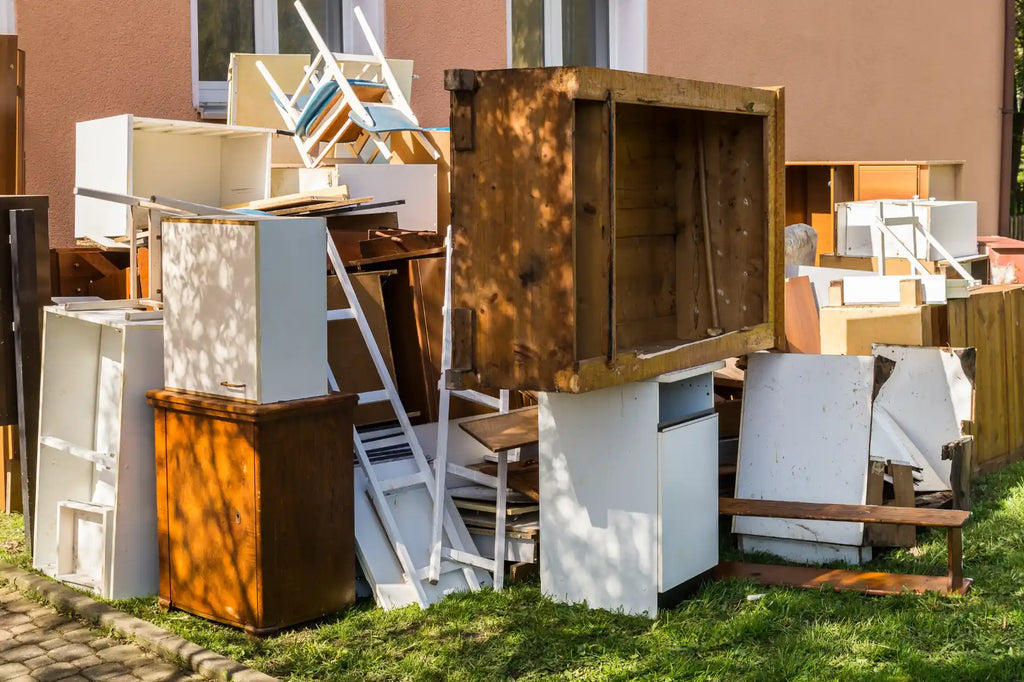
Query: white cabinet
629,491
205,163
95,523
245,305
953,223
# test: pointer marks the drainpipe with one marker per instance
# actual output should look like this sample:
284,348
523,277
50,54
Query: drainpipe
1005,181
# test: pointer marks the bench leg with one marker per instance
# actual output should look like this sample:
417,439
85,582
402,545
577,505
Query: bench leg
955,540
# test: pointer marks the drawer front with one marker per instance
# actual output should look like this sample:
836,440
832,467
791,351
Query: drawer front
687,500
211,518
210,309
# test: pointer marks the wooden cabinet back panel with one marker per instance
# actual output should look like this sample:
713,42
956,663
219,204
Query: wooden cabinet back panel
211,506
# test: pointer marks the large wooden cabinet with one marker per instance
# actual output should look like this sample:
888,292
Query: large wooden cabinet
254,508
579,215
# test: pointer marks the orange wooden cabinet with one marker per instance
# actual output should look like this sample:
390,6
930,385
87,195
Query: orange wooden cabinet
254,508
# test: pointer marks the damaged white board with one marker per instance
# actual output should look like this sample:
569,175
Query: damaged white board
804,437
928,396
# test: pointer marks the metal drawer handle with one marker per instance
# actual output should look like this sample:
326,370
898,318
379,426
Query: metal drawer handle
228,384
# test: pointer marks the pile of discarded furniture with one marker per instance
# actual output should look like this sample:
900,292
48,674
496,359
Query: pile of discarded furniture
272,378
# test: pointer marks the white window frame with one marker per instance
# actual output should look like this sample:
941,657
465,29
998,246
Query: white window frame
212,96
627,34
7,24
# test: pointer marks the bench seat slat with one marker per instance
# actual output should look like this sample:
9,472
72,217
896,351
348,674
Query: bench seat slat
813,511
868,583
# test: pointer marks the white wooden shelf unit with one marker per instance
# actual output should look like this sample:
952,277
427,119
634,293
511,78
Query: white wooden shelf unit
95,510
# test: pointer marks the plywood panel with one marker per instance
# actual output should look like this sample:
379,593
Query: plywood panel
785,456
850,330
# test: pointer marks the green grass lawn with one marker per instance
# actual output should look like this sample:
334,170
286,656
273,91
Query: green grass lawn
717,635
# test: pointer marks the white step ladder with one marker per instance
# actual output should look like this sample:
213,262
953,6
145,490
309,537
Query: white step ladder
441,465
412,552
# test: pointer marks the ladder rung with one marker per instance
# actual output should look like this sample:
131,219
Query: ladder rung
467,558
369,397
390,485
479,398
473,475
340,314
446,567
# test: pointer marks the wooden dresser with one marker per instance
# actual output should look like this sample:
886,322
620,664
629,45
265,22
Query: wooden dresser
254,507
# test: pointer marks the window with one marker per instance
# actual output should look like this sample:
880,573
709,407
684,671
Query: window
220,27
606,33
7,16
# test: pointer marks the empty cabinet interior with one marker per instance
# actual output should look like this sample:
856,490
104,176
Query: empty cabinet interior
579,201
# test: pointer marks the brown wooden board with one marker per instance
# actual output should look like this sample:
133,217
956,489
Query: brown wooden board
501,432
860,513
803,330
347,353
27,306
578,232
986,331
873,583
850,330
9,97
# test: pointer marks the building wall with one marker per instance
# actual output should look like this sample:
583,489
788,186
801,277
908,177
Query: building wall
443,35
865,79
88,59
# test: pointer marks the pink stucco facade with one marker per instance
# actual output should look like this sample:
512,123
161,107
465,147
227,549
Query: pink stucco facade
865,79
88,59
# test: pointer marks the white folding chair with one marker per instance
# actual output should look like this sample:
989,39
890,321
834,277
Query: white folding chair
341,110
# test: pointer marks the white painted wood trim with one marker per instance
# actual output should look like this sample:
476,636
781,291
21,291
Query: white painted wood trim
7,23
627,35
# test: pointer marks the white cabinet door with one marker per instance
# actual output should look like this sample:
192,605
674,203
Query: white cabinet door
687,500
211,343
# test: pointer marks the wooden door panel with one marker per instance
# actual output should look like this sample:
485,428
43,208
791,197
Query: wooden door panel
212,517
897,181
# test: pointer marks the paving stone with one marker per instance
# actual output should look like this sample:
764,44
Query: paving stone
38,662
10,619
155,672
22,653
33,636
104,643
24,628
54,672
86,661
83,635
9,670
52,642
107,672
119,653
50,621
39,611
69,652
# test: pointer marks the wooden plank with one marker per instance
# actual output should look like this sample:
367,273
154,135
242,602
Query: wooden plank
859,513
8,114
1013,303
903,491
321,206
986,331
592,247
505,431
878,584
399,243
803,330
28,353
317,196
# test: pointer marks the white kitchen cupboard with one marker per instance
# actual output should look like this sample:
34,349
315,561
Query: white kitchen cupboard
629,491
95,524
953,223
245,303
205,163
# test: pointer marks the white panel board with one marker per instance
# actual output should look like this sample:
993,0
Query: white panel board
928,395
103,150
416,184
804,552
804,437
599,497
885,289
821,278
210,309
292,304
688,500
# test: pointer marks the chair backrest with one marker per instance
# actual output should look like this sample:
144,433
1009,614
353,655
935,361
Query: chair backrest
398,99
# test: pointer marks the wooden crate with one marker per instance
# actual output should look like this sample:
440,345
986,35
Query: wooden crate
255,523
577,216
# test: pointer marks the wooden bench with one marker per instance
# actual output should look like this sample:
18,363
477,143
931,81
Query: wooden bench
868,582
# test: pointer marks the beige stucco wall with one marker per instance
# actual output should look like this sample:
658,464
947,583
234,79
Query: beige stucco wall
443,35
88,59
865,79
